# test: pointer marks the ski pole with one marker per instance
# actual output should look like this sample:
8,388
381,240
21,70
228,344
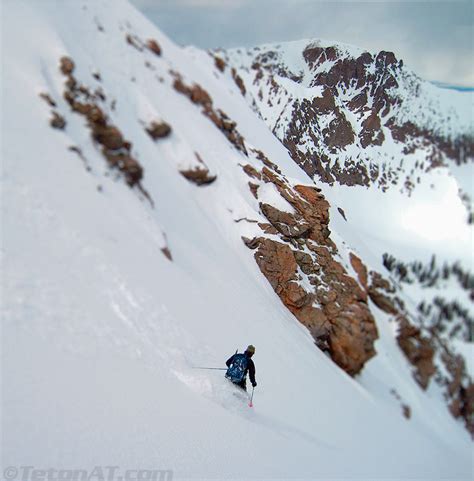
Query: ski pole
251,398
217,368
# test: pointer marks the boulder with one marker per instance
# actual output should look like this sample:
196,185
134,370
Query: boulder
158,130
153,46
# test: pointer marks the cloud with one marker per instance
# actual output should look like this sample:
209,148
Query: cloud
434,38
221,4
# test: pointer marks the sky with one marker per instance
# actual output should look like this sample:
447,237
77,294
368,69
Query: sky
434,38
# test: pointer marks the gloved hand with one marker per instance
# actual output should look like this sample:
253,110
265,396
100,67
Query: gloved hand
254,384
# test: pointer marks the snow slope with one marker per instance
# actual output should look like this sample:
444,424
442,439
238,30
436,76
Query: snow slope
100,331
415,209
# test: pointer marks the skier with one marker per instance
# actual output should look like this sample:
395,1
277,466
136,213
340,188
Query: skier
239,365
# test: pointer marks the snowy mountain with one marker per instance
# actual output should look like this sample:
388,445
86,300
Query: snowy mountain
153,223
356,119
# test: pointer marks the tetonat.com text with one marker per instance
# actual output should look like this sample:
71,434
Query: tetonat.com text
96,473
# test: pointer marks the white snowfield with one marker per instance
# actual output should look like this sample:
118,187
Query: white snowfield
100,331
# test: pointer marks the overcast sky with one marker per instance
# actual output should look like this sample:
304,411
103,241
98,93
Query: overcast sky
434,38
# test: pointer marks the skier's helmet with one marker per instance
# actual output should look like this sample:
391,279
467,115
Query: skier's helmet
250,350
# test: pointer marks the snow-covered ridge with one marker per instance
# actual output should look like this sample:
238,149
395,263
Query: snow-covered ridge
354,117
110,301
447,112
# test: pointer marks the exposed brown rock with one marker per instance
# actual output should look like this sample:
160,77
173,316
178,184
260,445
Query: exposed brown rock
324,104
337,315
267,228
126,164
339,134
252,171
109,136
199,176
352,337
57,121
115,148
195,92
238,81
66,65
158,130
264,159
459,389
378,290
134,41
219,63
373,81
254,189
284,222
358,102
252,243
153,46
167,253
418,349
360,269
382,301
200,96
277,263
312,56
342,325
371,133
378,282
47,98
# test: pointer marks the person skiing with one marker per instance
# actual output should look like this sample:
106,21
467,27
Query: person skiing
239,365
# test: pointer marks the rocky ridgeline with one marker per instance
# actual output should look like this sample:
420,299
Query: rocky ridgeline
297,256
90,102
115,148
356,102
220,119
426,345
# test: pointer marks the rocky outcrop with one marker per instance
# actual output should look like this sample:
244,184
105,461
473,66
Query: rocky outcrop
287,224
57,121
48,99
201,97
459,389
135,41
302,270
360,269
198,174
153,46
238,81
115,148
425,347
418,349
371,133
354,102
350,124
219,62
158,130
